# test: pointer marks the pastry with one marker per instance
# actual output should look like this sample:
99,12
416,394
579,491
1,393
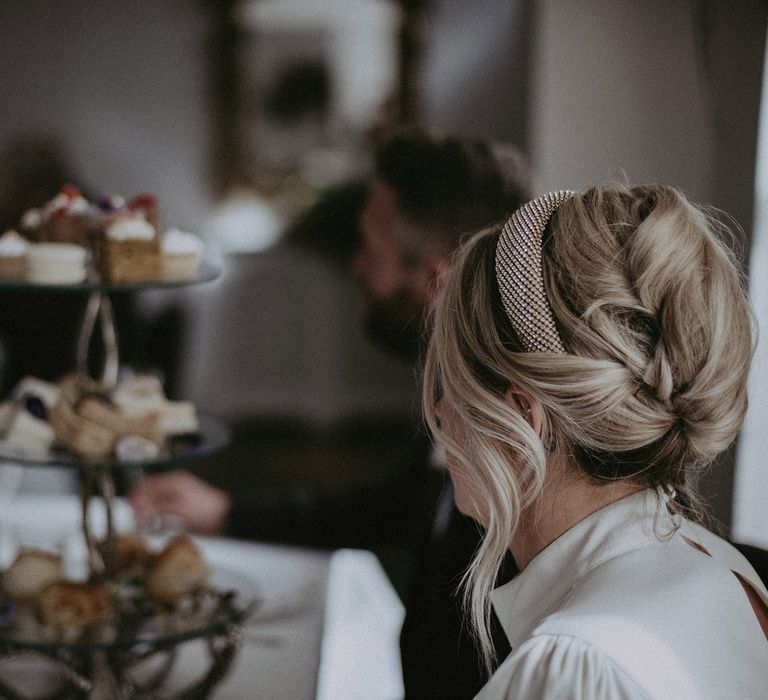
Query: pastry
109,416
71,604
146,205
79,435
24,427
133,448
27,434
182,252
131,554
56,263
13,256
30,573
27,387
30,224
138,394
142,394
176,571
178,418
89,425
64,219
129,251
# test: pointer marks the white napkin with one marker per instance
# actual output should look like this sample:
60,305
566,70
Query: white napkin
360,654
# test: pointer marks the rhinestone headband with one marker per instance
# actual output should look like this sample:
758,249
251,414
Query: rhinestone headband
519,275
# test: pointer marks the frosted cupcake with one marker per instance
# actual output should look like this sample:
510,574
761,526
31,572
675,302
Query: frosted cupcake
182,252
63,219
56,263
130,251
13,256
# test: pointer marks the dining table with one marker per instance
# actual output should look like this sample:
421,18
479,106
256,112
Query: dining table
321,625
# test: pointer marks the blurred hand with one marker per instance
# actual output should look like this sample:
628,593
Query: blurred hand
203,508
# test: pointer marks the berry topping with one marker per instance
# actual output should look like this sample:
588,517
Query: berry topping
70,191
144,201
35,407
110,202
184,442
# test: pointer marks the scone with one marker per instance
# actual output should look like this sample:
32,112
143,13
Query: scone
142,394
131,554
31,572
176,571
90,426
71,604
79,435
109,416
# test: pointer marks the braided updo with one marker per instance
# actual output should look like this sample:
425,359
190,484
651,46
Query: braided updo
651,309
637,278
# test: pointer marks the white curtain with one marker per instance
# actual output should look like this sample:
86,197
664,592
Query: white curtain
750,507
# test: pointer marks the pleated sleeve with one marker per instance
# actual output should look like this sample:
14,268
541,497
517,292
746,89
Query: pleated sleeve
560,667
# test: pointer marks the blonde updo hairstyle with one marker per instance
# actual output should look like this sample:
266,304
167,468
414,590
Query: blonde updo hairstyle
652,311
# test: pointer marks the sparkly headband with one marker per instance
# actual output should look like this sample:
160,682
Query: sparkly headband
519,275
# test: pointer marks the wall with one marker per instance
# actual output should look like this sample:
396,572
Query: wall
475,70
750,521
622,94
281,334
657,91
123,86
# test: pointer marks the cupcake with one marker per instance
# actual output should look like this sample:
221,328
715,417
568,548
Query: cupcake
13,256
66,218
181,255
146,205
130,251
31,224
56,263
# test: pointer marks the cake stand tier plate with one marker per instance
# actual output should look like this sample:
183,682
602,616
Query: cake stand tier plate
208,272
213,435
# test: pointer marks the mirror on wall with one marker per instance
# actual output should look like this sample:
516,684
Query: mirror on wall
316,78
302,90
310,84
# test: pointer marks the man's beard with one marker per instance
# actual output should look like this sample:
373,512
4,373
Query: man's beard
397,326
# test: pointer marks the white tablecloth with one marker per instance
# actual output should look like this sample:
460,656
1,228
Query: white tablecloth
327,628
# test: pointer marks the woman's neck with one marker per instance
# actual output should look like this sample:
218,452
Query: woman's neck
566,499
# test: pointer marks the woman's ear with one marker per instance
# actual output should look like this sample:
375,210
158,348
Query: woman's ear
528,408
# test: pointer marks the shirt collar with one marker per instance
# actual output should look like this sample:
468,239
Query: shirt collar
620,527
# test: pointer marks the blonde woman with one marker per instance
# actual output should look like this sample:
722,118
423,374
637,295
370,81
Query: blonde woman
588,358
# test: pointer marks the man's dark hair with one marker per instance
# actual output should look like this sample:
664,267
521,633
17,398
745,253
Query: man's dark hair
449,187
330,227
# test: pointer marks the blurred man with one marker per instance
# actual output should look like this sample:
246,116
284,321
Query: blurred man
425,196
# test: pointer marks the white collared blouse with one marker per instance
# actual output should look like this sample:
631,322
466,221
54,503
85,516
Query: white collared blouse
619,608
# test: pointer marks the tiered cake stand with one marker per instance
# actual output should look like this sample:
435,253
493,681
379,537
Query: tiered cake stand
132,655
